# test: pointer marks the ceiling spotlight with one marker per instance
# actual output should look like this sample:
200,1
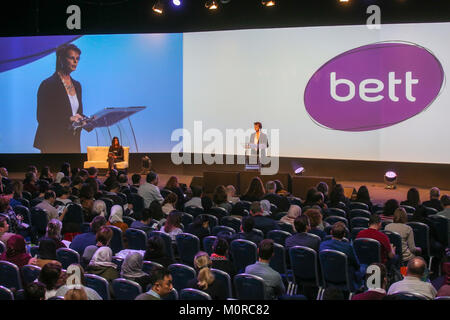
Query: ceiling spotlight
176,2
390,178
158,7
344,1
299,171
268,3
211,5
225,1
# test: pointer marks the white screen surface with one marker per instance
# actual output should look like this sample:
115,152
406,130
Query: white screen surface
233,78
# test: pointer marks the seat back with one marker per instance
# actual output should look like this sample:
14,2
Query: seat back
396,240
355,232
137,239
231,222
99,284
334,269
358,205
404,295
213,221
430,211
278,236
421,236
336,212
194,211
278,261
30,273
408,209
125,289
304,264
24,212
188,246
138,203
128,220
186,219
10,276
147,266
287,227
39,221
367,250
224,279
6,294
193,294
441,226
359,213
333,219
2,247
359,222
249,287
218,229
67,257
208,243
280,215
167,242
116,243
173,295
244,253
181,275
218,212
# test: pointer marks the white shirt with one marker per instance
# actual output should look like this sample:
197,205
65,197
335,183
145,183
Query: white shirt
413,285
74,103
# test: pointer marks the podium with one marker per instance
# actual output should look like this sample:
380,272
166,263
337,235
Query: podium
107,124
253,153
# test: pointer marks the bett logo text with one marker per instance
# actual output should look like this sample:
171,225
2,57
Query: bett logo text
374,86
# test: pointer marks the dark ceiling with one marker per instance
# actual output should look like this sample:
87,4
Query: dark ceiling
43,17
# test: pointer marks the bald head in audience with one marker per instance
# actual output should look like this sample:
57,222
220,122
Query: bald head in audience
416,267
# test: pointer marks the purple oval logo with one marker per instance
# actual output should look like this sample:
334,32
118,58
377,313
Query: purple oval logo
373,86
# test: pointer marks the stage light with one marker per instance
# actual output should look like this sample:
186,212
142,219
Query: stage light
268,3
211,5
390,178
343,1
299,171
176,2
158,7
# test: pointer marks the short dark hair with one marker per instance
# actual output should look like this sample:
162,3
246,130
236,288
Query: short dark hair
136,178
158,274
265,249
49,275
301,223
255,207
35,291
196,191
220,246
151,176
338,230
65,190
97,223
92,171
77,180
49,194
114,185
83,173
374,219
445,200
257,123
390,206
248,224
65,180
155,248
146,214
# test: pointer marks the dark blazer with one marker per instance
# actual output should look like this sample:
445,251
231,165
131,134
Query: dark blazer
303,239
265,224
262,141
54,133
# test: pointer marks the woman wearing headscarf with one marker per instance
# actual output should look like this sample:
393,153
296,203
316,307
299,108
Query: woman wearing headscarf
99,208
16,251
46,253
58,177
116,218
101,264
265,206
293,212
132,270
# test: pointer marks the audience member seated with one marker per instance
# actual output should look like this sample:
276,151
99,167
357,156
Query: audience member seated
316,223
116,218
336,243
156,211
265,224
145,223
132,270
436,247
99,208
46,254
219,257
446,213
336,196
412,199
200,227
247,232
102,239
65,196
271,194
52,277
34,291
149,190
387,250
169,203
434,199
375,293
173,185
399,225
46,174
16,251
135,182
332,293
302,237
4,228
207,203
415,280
323,187
444,291
292,214
76,294
231,194
90,293
363,196
388,211
265,207
172,226
255,191
161,285
82,241
272,279
220,198
196,200
60,184
101,264
29,184
280,188
53,232
47,205
309,202
156,252
122,179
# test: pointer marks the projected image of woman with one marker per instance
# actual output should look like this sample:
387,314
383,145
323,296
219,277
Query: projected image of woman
59,105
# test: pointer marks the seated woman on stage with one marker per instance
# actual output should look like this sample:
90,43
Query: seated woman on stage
115,153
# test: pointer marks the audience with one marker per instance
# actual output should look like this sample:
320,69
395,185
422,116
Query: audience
302,237
316,223
364,197
102,239
219,257
149,190
35,291
220,198
200,227
173,186
412,199
247,232
132,270
293,213
272,279
4,228
46,254
375,293
76,294
196,200
47,205
156,252
116,218
50,276
90,293
271,194
446,213
53,232
16,251
83,240
101,264
265,224
169,203
255,191
231,194
161,285
434,200
388,211
146,223
172,227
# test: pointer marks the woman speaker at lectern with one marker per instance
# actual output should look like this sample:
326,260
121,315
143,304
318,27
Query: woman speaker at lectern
59,106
